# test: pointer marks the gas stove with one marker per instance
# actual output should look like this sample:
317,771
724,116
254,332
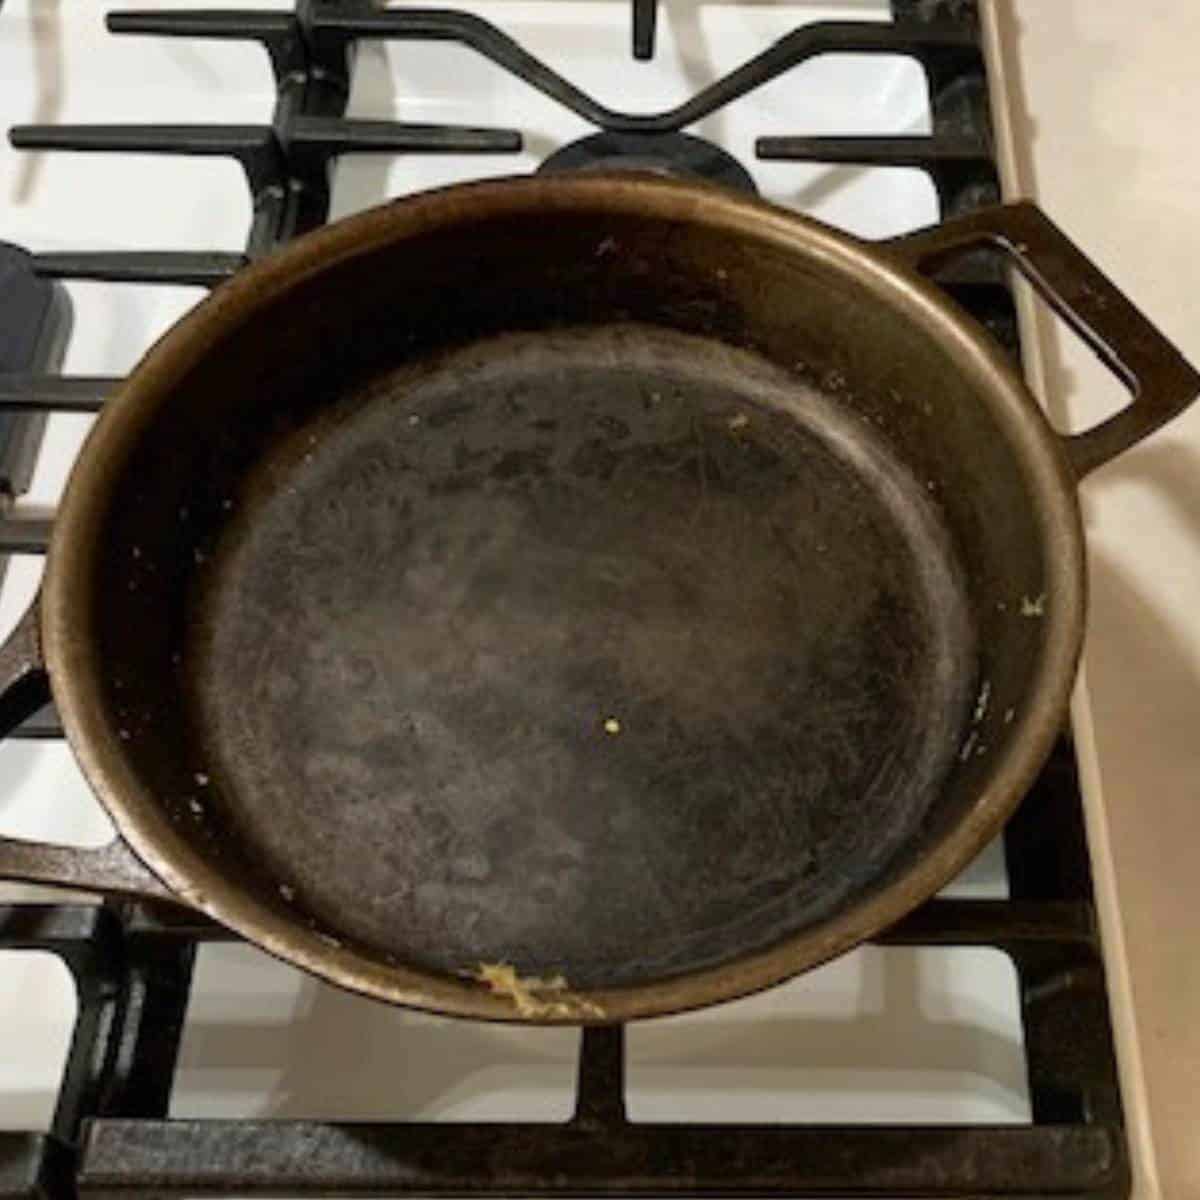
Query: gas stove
968,1051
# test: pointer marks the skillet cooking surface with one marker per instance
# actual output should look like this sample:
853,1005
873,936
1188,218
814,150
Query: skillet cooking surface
613,653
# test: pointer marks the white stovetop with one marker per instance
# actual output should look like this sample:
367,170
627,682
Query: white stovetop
880,1035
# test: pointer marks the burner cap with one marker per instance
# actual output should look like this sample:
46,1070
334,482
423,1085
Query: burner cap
677,154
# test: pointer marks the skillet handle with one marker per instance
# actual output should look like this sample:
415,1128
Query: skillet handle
1161,380
25,688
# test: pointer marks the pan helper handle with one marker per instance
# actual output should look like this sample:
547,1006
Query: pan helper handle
25,688
1160,379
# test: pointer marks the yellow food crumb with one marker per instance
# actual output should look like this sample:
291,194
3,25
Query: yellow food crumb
612,726
1033,608
535,997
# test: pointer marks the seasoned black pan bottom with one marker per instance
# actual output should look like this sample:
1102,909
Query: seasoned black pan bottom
612,653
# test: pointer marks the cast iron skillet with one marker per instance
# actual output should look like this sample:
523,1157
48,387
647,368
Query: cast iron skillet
573,599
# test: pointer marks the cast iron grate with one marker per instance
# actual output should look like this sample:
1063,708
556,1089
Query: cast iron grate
132,964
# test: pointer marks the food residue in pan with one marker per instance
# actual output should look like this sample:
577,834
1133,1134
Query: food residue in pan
533,996
981,705
612,726
968,747
1033,608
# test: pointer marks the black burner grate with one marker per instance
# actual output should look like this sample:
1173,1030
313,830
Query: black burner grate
132,964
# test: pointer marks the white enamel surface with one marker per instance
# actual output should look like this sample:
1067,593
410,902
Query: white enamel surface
879,1035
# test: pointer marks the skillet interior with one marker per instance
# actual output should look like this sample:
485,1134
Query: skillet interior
606,652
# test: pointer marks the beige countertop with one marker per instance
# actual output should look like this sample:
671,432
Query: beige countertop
1104,97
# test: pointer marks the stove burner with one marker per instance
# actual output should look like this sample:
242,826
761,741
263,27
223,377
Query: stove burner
35,322
677,154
